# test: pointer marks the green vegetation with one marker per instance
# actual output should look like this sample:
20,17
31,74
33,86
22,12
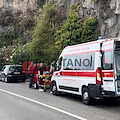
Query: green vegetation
6,18
7,37
71,31
14,54
16,34
42,40
42,45
18,54
89,28
20,32
75,30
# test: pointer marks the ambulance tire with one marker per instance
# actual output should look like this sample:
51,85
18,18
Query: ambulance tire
54,88
86,99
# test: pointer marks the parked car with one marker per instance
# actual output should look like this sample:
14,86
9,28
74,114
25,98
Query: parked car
12,72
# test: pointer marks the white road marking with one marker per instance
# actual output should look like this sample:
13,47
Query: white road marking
40,103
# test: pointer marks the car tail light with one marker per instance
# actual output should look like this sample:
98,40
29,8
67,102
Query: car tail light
98,76
9,72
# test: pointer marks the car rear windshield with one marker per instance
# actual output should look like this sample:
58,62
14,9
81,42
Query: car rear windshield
15,69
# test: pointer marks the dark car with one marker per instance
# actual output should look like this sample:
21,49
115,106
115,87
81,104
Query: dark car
12,72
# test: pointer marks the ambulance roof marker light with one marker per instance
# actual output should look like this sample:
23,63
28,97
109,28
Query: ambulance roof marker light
100,37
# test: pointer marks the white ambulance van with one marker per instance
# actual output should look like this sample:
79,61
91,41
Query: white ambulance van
91,70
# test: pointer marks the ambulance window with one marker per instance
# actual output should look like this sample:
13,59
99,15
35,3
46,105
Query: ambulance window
79,62
108,60
68,62
86,61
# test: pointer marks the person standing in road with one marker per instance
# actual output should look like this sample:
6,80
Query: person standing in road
40,72
31,74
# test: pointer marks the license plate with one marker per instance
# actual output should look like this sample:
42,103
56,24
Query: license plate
16,72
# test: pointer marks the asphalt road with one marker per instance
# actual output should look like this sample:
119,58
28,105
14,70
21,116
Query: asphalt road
18,102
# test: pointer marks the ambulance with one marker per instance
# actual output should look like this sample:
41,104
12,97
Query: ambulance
91,70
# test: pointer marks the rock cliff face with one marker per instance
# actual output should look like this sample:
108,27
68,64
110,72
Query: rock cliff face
106,11
21,5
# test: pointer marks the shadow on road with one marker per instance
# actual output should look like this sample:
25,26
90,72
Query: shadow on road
108,102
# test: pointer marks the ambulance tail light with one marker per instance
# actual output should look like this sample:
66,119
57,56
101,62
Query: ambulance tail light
98,76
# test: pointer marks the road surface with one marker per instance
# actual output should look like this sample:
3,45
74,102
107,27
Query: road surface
18,102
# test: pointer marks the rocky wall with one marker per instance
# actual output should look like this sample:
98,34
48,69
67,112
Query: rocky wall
106,11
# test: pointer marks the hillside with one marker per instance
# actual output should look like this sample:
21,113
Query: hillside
107,12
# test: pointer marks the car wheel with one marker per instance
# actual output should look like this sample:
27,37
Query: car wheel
54,89
6,80
86,99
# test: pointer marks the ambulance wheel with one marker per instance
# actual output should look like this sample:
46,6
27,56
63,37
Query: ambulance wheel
36,86
54,89
86,99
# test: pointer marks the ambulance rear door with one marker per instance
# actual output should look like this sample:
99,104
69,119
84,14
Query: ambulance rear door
107,66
